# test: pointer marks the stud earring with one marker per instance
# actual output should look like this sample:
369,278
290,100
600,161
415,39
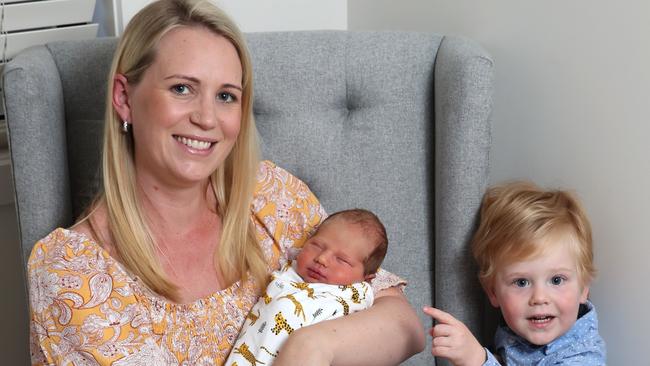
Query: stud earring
125,126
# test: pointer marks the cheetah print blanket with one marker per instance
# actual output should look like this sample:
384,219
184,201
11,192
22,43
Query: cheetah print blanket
288,304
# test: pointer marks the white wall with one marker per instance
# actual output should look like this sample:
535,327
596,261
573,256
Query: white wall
571,110
264,15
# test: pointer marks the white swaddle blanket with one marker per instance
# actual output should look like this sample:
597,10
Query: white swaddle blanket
290,303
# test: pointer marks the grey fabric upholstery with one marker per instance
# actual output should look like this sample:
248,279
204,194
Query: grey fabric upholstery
396,122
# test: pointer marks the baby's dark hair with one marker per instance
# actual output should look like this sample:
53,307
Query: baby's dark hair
372,227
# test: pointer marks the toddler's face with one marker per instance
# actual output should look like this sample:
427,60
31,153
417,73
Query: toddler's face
335,255
539,298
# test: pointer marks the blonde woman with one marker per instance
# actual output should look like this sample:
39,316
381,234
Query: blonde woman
176,248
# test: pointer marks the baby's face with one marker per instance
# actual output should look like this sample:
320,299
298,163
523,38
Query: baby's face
335,255
540,298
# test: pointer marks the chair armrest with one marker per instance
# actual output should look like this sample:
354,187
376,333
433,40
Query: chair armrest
37,131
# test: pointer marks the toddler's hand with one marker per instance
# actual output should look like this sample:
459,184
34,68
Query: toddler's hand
453,341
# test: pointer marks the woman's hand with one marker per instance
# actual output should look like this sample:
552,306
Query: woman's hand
453,341
387,333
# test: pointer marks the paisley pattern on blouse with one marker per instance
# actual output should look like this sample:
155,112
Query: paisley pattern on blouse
87,310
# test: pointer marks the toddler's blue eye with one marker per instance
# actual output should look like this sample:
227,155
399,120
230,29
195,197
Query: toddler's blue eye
557,280
520,282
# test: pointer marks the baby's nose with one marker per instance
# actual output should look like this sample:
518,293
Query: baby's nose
322,259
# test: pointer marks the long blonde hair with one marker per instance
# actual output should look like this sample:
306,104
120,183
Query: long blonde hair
233,182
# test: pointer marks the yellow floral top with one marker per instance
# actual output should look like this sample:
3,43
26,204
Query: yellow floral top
86,309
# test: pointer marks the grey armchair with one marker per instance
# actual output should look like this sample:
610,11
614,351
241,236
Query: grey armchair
396,122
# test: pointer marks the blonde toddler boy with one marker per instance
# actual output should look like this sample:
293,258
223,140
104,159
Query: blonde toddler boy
534,252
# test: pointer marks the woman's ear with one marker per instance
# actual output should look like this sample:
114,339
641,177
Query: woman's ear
121,97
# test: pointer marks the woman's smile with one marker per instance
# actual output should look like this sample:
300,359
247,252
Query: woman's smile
196,145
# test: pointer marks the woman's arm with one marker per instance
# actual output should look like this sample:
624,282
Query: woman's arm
387,333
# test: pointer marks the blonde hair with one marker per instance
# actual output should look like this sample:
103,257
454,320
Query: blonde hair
233,182
516,216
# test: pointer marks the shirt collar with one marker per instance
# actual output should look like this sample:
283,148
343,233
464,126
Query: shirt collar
587,323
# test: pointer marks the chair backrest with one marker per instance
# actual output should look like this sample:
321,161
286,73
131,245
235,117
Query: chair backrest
395,122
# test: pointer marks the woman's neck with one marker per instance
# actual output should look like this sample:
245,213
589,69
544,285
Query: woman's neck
175,208
186,229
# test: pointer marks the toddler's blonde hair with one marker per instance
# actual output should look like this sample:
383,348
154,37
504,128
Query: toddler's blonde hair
515,218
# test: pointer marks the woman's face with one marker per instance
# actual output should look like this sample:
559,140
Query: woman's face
186,109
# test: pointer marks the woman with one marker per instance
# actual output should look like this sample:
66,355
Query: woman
173,253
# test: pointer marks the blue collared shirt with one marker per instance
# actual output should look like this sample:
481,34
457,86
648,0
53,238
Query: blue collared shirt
581,345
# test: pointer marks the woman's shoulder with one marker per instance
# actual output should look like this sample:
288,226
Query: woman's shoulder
71,265
271,176
277,186
66,251
284,210
63,243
